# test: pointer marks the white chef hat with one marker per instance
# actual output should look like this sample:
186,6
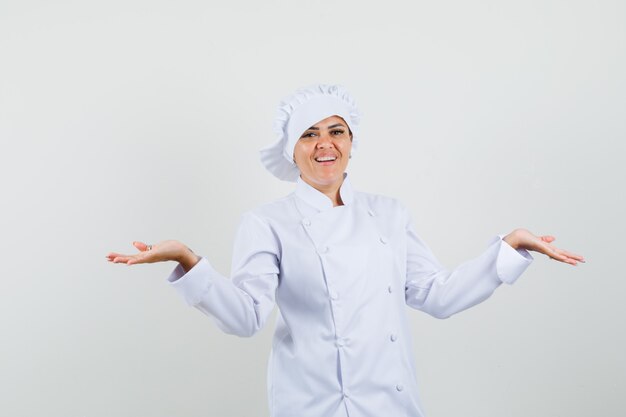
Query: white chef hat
299,111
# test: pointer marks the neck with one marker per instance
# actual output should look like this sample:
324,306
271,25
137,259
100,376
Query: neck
329,190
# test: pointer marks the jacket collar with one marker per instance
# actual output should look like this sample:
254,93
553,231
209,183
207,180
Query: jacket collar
319,200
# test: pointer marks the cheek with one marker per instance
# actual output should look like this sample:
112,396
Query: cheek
346,148
301,152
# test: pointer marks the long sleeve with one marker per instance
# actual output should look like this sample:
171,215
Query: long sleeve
442,293
240,305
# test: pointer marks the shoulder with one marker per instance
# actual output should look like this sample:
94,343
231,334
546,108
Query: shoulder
273,211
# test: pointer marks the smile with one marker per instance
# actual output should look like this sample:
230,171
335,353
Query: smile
326,160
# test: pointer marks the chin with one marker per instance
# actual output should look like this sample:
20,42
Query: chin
328,179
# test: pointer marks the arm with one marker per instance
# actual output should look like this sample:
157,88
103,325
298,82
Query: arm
240,305
441,292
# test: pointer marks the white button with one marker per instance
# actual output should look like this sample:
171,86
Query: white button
340,342
333,295
383,239
399,387
323,249
345,395
306,222
371,213
389,288
393,337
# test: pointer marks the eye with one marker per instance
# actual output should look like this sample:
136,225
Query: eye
307,135
337,132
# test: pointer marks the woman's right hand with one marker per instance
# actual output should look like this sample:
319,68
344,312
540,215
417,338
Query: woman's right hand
168,250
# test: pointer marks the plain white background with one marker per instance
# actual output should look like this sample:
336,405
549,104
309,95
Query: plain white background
141,120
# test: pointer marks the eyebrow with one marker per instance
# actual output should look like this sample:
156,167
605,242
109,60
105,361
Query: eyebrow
330,127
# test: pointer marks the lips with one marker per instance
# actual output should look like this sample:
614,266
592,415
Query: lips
326,159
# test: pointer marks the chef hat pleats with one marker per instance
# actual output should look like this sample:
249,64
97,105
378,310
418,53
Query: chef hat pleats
299,111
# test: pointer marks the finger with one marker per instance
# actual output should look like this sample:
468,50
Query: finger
113,255
128,260
560,255
569,261
548,238
574,256
140,245
120,259
554,252
570,255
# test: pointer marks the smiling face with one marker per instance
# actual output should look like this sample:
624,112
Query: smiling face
323,151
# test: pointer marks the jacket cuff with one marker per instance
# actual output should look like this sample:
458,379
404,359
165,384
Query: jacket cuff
193,284
510,263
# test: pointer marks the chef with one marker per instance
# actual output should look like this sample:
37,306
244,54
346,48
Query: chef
342,265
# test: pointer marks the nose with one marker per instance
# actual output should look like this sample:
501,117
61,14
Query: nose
325,141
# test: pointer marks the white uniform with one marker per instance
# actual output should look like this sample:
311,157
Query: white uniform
341,277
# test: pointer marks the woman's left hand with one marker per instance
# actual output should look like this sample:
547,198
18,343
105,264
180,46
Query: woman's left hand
523,239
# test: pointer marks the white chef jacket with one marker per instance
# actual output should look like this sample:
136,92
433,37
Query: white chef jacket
341,277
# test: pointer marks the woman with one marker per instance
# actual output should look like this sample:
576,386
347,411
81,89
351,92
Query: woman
341,265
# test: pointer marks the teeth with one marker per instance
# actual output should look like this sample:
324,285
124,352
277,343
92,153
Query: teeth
325,158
